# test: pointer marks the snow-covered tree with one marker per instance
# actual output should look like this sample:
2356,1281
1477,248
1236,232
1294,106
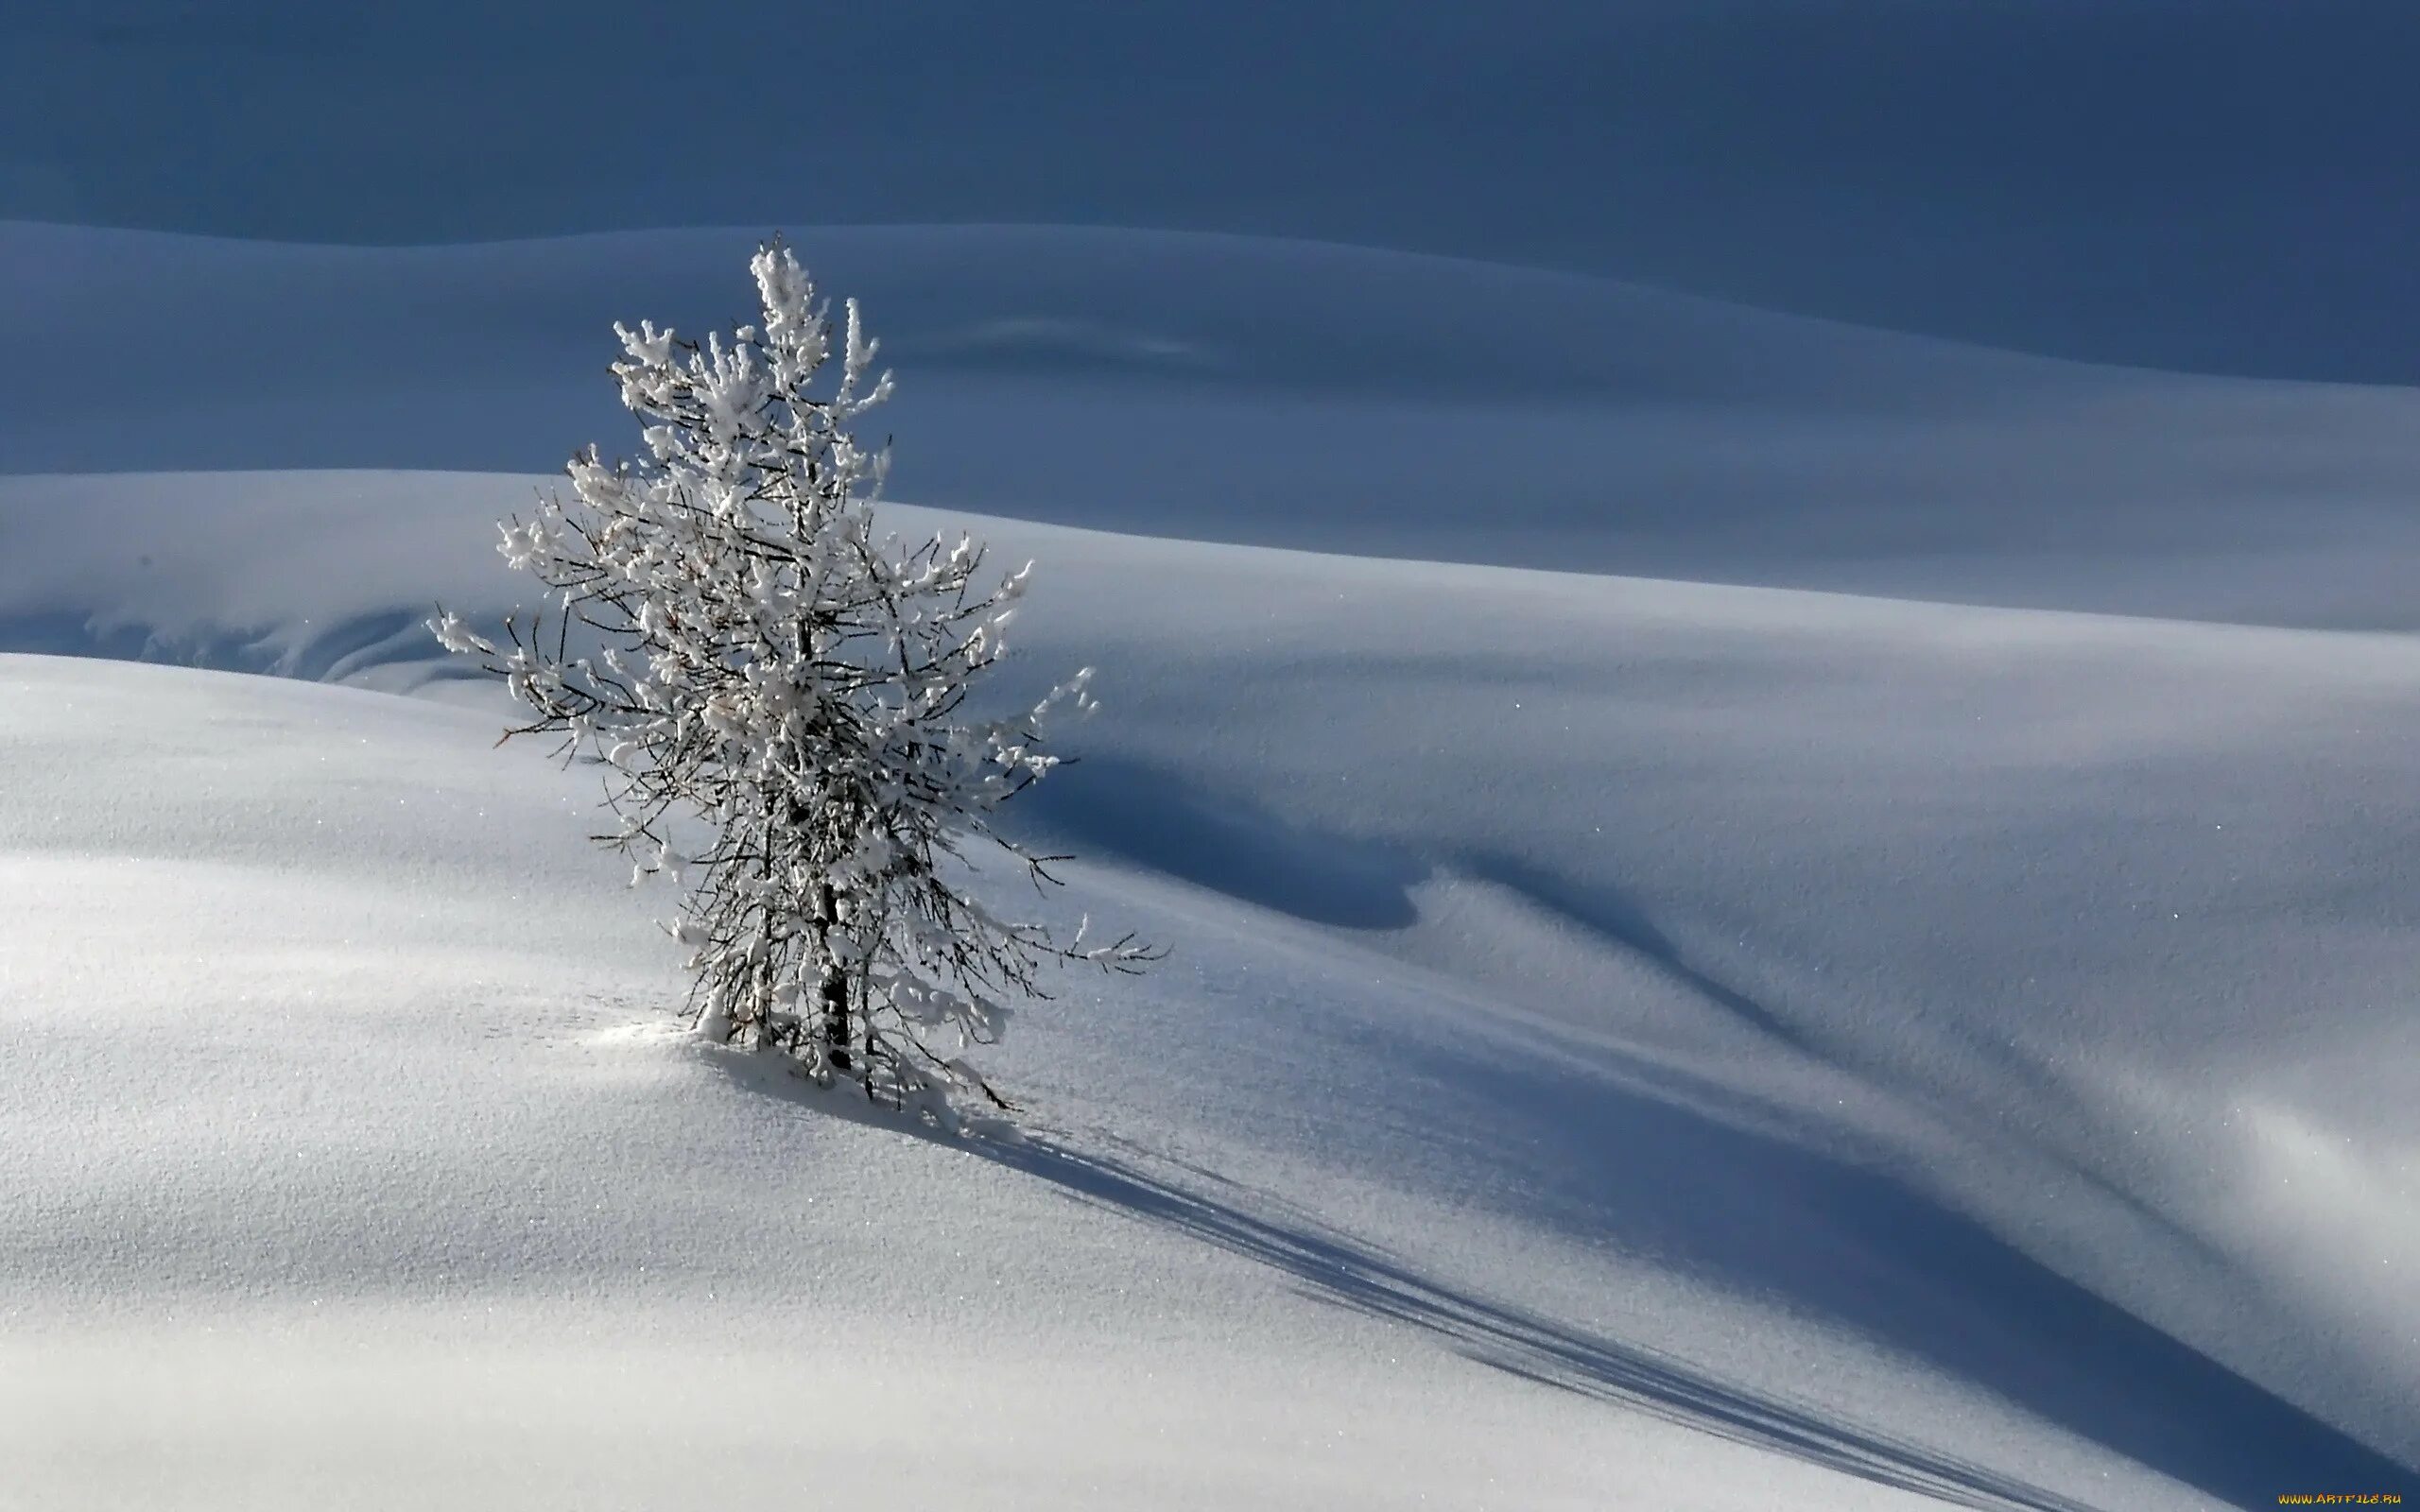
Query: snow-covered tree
754,666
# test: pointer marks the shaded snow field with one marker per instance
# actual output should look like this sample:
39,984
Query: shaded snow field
1628,1040
1280,393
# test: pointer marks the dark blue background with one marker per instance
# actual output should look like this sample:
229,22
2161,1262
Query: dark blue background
2219,184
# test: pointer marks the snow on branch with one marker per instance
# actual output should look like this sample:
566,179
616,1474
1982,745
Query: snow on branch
764,664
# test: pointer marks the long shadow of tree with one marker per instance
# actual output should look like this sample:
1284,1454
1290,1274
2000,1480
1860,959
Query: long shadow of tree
1336,1268
1340,1269
1866,1251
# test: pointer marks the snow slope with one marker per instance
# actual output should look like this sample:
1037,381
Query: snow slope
1270,392
387,1181
1630,1041
1917,1040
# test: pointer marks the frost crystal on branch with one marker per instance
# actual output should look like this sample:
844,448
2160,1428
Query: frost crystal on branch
765,664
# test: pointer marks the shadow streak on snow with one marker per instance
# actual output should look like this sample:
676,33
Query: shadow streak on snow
1602,910
1766,1217
1336,1268
1119,806
2194,1419
1156,818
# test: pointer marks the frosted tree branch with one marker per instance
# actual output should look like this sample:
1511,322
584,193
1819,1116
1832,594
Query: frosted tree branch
755,659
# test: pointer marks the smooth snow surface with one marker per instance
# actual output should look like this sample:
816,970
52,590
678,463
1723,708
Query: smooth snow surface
1275,394
1629,1041
1894,1095
387,1181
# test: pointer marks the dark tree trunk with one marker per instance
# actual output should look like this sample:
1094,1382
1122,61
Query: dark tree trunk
835,998
832,993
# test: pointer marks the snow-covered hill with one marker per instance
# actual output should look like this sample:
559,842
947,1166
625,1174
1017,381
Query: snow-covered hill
1629,1040
1275,394
384,1180
1636,984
